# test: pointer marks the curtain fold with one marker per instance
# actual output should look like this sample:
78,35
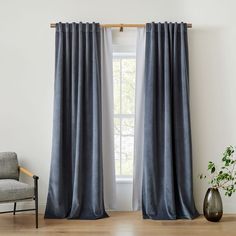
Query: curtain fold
139,119
107,119
76,176
167,191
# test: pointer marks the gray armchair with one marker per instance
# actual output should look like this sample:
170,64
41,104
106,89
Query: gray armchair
11,189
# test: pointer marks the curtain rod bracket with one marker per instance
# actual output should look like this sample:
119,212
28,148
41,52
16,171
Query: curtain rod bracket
121,27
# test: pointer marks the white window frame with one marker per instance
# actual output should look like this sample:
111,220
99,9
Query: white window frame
123,55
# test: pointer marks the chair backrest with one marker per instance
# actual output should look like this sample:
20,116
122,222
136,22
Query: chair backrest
8,166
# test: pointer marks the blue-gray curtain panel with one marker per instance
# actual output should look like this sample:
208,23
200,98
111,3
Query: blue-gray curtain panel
76,176
167,159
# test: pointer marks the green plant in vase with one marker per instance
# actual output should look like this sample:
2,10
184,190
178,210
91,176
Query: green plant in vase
220,177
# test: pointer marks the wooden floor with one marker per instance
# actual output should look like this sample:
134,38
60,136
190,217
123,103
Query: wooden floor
118,224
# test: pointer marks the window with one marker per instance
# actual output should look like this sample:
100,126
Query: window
124,69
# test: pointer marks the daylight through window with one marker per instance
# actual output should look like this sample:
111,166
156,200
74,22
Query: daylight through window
124,110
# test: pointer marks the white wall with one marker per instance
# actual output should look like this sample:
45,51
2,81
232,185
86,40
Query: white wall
27,71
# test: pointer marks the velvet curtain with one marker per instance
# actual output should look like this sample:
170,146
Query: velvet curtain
76,179
167,190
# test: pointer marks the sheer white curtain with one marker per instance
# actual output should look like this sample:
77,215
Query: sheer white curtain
107,119
139,119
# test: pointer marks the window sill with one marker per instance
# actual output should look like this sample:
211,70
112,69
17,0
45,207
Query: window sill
124,180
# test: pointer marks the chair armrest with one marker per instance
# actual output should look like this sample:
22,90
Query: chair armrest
27,172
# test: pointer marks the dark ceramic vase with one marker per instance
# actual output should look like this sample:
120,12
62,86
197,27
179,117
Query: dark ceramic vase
212,207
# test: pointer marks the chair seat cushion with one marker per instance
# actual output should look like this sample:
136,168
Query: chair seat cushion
13,190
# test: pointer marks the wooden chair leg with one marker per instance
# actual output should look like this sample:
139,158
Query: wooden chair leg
14,211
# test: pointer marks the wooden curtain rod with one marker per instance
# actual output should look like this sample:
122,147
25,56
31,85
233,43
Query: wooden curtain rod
53,25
